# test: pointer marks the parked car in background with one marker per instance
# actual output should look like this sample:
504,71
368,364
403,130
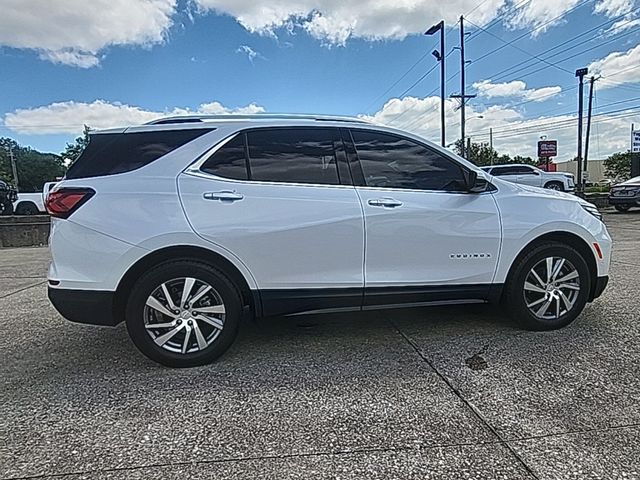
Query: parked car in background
530,175
625,195
29,204
32,203
183,226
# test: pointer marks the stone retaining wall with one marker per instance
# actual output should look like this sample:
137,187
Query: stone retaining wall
24,230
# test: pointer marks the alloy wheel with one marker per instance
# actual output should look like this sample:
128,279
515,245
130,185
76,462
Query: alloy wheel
184,315
551,288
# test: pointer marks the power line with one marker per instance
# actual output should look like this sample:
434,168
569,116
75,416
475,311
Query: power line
533,30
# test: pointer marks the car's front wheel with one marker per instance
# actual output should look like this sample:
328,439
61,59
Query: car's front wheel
548,287
622,208
183,313
554,186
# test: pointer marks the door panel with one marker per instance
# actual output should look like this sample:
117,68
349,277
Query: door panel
285,211
530,179
432,238
288,236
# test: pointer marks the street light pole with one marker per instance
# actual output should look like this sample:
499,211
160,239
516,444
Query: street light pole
580,73
440,57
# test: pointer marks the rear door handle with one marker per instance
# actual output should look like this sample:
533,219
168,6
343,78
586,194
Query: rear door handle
384,202
224,196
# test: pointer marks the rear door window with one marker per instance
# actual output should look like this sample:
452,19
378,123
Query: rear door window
229,161
112,153
294,155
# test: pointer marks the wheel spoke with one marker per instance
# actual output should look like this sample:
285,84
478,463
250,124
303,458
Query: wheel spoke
537,277
558,267
537,302
162,339
549,261
154,303
167,295
567,277
185,343
213,309
202,343
151,326
186,290
199,294
570,286
557,300
214,322
533,288
567,302
543,309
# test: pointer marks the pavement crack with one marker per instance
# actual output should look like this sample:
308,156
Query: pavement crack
23,289
466,402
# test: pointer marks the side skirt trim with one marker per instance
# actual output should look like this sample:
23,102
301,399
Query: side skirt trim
294,301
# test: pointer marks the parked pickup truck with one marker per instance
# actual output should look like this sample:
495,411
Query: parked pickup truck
32,203
530,175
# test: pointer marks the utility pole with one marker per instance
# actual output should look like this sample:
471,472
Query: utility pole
491,144
463,96
580,73
14,169
440,57
592,81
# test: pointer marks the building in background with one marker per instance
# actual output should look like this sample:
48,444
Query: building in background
595,169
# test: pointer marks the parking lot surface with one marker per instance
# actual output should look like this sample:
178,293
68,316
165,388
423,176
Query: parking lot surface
455,392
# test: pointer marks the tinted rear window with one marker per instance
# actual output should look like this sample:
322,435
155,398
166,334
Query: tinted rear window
297,155
111,153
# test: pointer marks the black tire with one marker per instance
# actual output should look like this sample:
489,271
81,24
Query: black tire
555,186
147,283
622,208
27,208
6,208
514,294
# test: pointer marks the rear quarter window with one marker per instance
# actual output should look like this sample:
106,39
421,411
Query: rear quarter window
112,153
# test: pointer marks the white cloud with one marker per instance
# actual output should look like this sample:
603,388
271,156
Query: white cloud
334,21
613,8
620,67
74,32
516,88
69,117
249,52
422,116
540,15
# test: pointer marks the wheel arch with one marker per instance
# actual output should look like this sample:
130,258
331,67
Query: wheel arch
568,238
24,203
186,252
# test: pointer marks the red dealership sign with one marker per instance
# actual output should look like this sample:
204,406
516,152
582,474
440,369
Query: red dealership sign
547,148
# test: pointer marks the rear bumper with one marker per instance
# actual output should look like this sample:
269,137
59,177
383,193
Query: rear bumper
94,307
598,288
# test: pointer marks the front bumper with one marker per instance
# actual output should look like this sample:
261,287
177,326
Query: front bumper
94,307
598,287
630,201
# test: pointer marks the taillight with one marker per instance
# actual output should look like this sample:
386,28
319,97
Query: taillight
63,202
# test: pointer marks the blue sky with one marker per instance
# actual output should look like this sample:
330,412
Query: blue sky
311,56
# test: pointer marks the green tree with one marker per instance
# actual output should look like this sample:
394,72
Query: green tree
618,165
73,150
480,153
34,168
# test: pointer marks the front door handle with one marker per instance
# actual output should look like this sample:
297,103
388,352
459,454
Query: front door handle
384,202
224,196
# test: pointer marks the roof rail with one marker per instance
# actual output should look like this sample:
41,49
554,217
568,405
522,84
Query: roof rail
257,116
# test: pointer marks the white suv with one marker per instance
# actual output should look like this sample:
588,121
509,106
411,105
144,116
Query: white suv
530,175
182,226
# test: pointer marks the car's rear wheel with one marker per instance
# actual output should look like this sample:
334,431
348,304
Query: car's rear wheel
27,208
183,313
622,208
548,287
554,186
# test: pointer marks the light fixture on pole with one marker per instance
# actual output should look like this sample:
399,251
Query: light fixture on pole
440,57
